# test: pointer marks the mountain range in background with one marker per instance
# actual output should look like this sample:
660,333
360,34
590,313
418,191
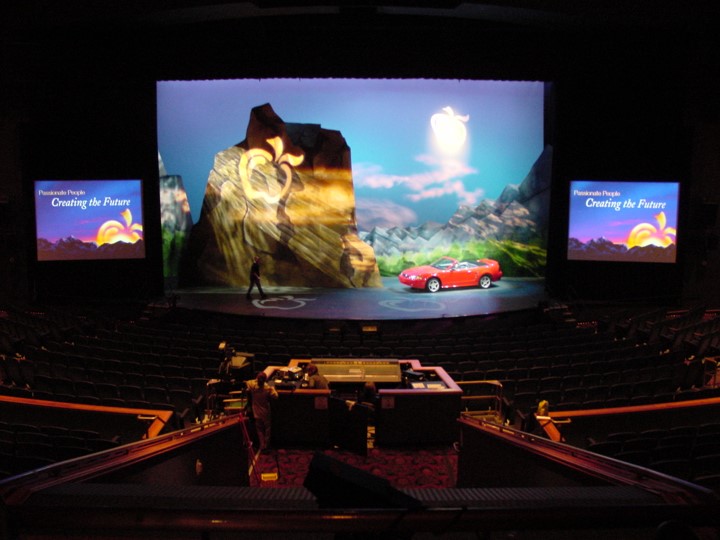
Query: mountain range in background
70,248
602,249
518,215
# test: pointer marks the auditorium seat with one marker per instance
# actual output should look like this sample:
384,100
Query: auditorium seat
606,448
111,365
526,385
186,406
473,375
106,390
612,378
156,395
21,463
171,370
25,436
113,377
574,394
198,386
538,372
620,390
707,464
550,383
466,365
571,381
131,393
179,383
151,369
636,457
154,380
44,384
680,438
678,467
670,452
21,372
621,436
596,393
553,397
64,452
483,364
708,428
517,373
591,379
524,402
134,378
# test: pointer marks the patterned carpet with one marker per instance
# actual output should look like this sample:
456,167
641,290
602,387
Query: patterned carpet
402,468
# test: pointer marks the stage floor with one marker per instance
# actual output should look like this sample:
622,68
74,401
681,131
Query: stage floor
392,301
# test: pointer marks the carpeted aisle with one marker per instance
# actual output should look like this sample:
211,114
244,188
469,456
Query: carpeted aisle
402,468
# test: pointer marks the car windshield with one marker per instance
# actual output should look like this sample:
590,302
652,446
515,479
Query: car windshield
443,264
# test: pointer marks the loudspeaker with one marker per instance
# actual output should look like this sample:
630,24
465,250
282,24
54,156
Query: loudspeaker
338,485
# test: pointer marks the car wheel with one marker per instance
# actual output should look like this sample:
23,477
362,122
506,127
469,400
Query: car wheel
485,282
433,285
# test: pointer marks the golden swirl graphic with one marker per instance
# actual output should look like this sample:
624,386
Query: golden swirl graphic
256,157
113,231
646,234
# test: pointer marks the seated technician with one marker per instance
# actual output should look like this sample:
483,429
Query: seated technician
315,379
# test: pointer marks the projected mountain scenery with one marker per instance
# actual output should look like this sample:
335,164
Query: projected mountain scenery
69,249
510,229
603,249
377,174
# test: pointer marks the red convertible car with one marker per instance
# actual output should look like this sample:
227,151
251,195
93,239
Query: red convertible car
446,273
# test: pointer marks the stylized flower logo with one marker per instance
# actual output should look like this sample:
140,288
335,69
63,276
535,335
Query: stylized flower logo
113,231
646,234
410,306
284,302
256,157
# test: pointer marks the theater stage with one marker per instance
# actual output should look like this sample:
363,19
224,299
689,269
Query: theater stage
391,302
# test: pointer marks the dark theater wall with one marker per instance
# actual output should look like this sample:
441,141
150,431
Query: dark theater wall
80,103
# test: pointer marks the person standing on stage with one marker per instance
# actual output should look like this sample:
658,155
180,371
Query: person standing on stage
260,395
255,278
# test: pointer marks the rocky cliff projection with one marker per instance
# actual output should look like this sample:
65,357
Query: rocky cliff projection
285,193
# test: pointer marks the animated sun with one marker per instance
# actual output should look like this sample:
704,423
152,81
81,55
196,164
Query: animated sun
449,129
113,231
646,234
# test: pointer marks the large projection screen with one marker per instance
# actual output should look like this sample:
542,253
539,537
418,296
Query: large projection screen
89,219
345,182
623,221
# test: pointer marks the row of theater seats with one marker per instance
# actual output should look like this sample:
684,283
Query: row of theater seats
695,331
293,339
653,379
570,364
578,367
27,446
22,377
687,452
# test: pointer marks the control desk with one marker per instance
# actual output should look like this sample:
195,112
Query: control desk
355,372
413,404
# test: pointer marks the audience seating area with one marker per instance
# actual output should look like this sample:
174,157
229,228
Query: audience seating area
687,452
24,447
163,360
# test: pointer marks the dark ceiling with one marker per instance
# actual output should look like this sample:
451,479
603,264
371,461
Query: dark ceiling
24,17
82,40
